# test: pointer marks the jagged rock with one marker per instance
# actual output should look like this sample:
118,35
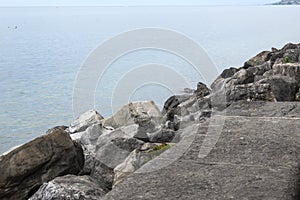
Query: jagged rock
162,136
97,170
288,69
24,169
202,90
260,69
250,92
70,187
284,88
227,73
114,152
130,113
173,102
137,159
91,134
259,59
243,76
110,151
84,121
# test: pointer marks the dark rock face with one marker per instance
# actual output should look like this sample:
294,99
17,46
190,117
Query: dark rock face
259,59
202,90
269,76
70,187
161,136
24,169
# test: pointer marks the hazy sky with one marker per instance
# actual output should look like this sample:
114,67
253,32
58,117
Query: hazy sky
128,2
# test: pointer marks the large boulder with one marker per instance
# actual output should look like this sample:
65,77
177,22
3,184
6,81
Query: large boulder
91,134
284,88
102,174
162,136
242,76
131,113
27,167
259,59
137,159
202,90
174,101
287,69
84,121
116,150
70,187
250,92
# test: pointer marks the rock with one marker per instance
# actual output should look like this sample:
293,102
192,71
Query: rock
202,90
91,134
290,46
284,88
97,170
250,92
259,59
115,151
70,187
24,169
122,132
260,69
162,136
137,159
84,121
243,76
128,114
227,73
62,128
173,102
109,151
288,69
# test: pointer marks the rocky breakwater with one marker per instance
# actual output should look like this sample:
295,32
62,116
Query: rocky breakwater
95,158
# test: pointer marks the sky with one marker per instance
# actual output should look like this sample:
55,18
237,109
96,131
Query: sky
129,2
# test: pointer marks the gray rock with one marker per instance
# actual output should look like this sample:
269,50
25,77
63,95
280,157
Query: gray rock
137,159
128,114
259,59
288,69
243,76
84,121
91,134
174,101
250,92
202,90
227,73
97,170
284,88
70,187
114,147
115,151
123,132
162,136
24,169
260,69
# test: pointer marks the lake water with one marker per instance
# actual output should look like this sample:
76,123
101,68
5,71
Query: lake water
42,49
